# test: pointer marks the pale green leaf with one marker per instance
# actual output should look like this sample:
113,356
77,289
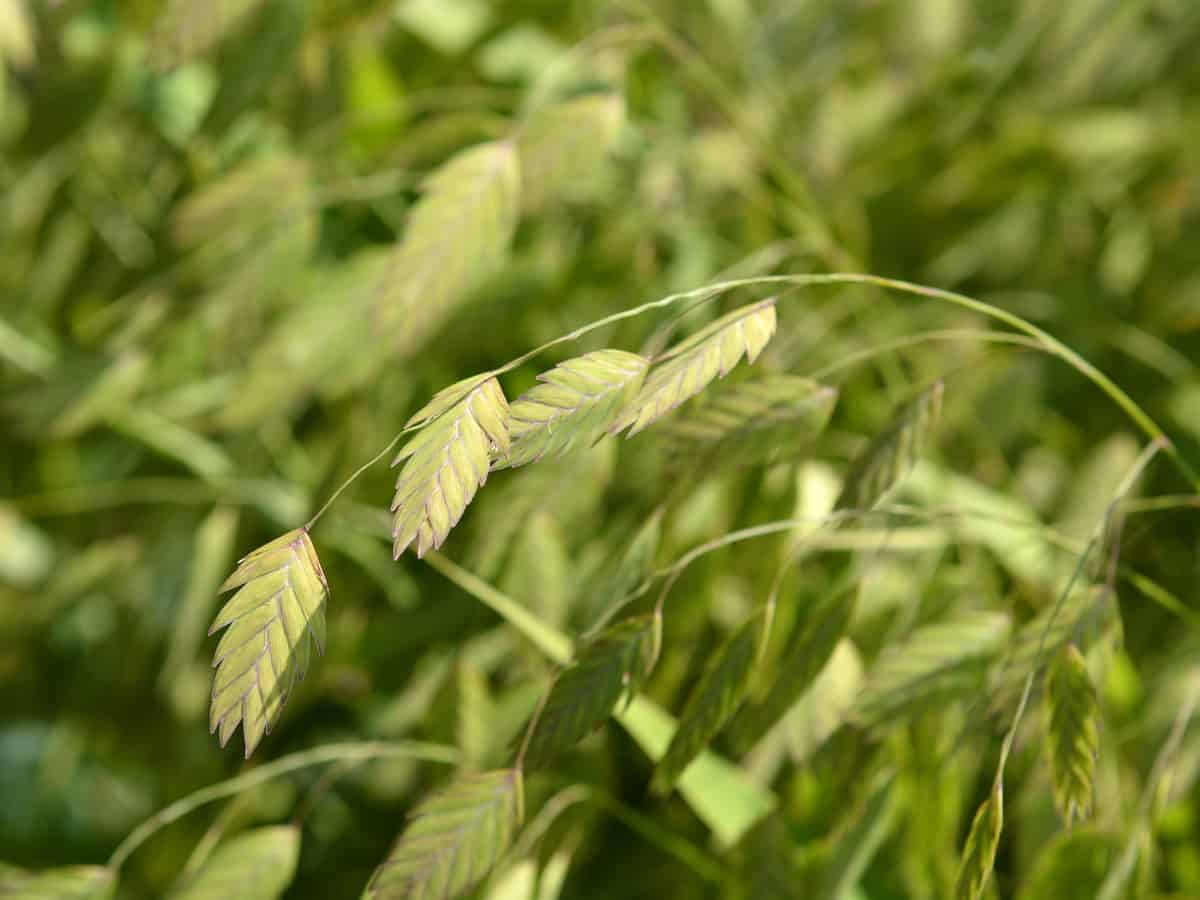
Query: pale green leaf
457,235
713,700
453,839
979,854
256,865
68,883
614,664
751,421
940,661
445,463
803,660
824,706
893,452
271,620
573,405
1072,733
692,364
563,146
18,45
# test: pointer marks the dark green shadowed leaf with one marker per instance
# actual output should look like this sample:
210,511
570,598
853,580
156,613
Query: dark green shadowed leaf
692,364
941,661
614,664
714,699
453,839
68,883
257,865
750,421
893,452
1072,733
446,462
802,662
980,852
612,589
271,620
574,403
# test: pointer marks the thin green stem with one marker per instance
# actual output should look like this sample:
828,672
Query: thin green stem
269,771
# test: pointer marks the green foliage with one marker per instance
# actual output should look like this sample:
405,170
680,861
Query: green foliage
456,235
806,655
257,865
713,700
562,146
1072,733
750,422
453,839
937,662
575,402
979,853
892,453
70,883
243,241
271,622
611,665
446,463
691,364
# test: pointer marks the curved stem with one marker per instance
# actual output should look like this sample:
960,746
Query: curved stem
283,765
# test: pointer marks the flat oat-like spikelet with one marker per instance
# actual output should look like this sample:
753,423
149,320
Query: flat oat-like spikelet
447,461
574,403
1072,733
453,839
690,365
257,865
457,235
278,609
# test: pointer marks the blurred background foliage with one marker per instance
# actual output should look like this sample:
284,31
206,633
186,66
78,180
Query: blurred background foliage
198,209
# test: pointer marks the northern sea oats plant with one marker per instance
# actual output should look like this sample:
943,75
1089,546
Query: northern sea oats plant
789,581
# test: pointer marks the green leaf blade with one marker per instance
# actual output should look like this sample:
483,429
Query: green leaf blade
67,883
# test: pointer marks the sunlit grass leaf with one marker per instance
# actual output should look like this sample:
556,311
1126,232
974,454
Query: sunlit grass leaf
893,452
692,364
1072,733
256,865
457,235
1083,611
453,839
68,883
751,421
803,660
1072,866
446,463
712,701
823,708
278,608
942,660
563,146
574,404
979,854
614,664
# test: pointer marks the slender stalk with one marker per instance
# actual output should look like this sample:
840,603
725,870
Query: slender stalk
268,772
